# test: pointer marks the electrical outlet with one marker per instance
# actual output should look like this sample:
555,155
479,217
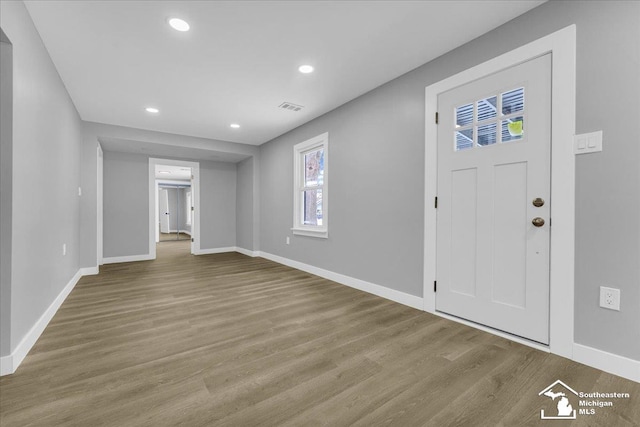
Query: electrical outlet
288,241
79,191
64,249
610,298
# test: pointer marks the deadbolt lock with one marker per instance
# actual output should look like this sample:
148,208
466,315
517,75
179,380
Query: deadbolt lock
538,222
538,202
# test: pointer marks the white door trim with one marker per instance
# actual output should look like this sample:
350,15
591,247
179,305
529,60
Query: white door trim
157,209
562,46
153,202
99,207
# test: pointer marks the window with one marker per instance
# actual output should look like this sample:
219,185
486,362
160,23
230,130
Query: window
489,126
311,187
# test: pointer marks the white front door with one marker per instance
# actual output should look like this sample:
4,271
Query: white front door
494,200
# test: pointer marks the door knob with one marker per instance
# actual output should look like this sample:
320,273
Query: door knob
537,221
538,202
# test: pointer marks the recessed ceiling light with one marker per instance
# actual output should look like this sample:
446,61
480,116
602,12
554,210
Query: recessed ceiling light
305,69
152,110
234,125
165,172
179,24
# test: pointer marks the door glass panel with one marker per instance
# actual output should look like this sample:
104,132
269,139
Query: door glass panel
513,101
313,168
512,129
483,113
464,115
464,139
487,134
487,109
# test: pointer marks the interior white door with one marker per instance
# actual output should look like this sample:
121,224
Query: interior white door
493,223
163,199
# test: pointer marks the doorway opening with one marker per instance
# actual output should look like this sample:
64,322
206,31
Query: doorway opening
175,209
174,204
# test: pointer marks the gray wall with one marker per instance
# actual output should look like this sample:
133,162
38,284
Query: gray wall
6,157
126,204
217,205
608,183
244,205
46,172
376,173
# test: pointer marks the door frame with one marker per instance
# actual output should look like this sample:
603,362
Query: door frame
562,46
99,205
153,202
173,184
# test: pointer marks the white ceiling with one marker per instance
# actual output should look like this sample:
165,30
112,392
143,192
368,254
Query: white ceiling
240,59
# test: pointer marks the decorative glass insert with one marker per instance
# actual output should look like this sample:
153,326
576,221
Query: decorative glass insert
464,115
512,129
487,134
464,139
490,120
314,168
513,101
312,207
486,109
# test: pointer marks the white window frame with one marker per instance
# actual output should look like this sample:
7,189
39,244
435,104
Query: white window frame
299,150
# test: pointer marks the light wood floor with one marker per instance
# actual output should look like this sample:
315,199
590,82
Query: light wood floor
228,340
171,237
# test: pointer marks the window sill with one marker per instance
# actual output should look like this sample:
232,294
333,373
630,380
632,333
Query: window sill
323,234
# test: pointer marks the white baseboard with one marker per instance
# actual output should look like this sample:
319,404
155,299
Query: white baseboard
215,250
6,365
89,271
9,364
608,362
247,252
130,258
227,249
381,291
147,257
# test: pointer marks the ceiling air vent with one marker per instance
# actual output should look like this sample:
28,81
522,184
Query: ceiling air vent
290,106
